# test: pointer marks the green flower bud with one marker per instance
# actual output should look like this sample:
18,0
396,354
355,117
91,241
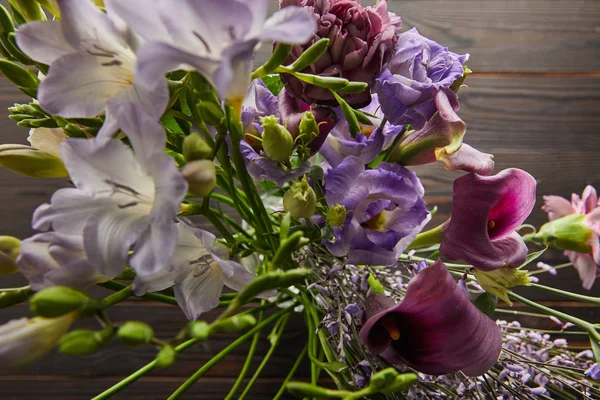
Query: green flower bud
19,75
211,112
300,200
349,114
498,281
83,342
236,324
166,356
30,9
51,5
308,129
310,55
6,22
31,162
201,176
199,330
570,232
60,300
11,297
278,143
336,215
133,333
10,248
383,378
196,148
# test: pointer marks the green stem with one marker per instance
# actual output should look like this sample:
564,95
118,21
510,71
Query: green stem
543,271
275,338
216,359
117,297
290,375
285,249
246,365
428,238
212,217
161,298
574,296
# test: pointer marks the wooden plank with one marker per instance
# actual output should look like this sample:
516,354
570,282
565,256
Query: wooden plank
507,36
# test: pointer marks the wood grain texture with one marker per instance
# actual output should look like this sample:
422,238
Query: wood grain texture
533,102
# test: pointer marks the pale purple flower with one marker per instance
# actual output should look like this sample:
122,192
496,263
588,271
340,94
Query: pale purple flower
486,212
362,42
198,270
419,70
55,259
366,144
92,59
385,211
121,198
216,38
434,329
586,264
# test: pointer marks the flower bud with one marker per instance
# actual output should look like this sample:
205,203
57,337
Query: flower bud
383,378
278,143
336,215
133,333
196,148
9,251
236,324
201,176
18,75
11,297
199,330
31,162
60,300
308,129
30,9
166,356
83,342
498,281
571,232
300,200
211,112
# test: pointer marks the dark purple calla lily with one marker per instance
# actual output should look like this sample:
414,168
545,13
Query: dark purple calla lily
435,329
486,212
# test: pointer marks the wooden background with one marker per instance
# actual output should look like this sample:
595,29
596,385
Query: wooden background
533,101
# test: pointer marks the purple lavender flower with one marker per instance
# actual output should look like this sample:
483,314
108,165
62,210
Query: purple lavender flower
435,329
419,69
385,211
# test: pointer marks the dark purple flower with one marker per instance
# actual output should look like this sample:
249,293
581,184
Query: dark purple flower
362,41
419,69
434,329
366,144
486,212
385,211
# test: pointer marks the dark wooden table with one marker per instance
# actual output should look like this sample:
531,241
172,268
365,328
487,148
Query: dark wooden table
533,102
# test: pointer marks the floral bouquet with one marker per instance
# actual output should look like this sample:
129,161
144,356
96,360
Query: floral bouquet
154,112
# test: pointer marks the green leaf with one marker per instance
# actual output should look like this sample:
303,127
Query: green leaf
533,256
334,366
273,83
348,114
486,303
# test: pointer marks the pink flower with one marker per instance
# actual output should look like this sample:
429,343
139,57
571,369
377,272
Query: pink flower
587,263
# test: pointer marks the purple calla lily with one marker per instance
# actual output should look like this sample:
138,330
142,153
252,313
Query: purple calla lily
434,329
486,212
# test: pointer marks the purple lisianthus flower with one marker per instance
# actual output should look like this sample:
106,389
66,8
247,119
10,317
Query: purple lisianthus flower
216,38
366,144
92,59
435,329
54,259
260,102
486,211
121,198
362,41
419,69
441,138
385,211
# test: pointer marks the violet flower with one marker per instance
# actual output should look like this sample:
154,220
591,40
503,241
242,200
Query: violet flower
121,198
362,41
216,38
92,59
486,212
366,144
587,263
435,329
385,211
419,70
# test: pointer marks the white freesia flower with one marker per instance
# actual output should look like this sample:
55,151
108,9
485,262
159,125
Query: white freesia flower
121,199
47,140
92,61
199,269
25,340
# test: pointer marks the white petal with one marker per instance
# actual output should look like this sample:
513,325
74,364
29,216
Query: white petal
43,41
47,140
199,291
240,278
292,25
171,188
141,17
154,283
153,252
79,85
